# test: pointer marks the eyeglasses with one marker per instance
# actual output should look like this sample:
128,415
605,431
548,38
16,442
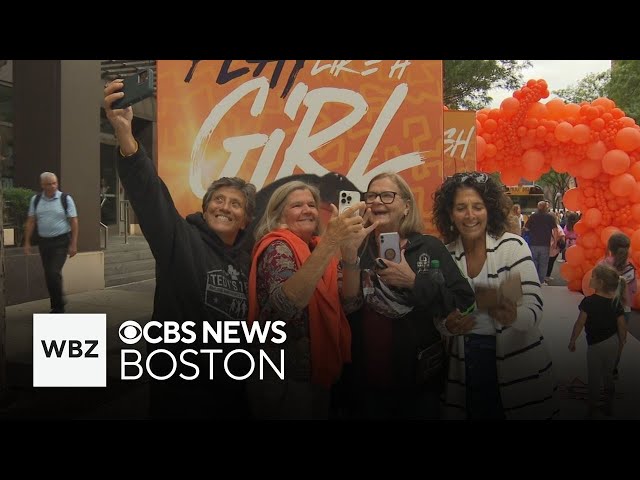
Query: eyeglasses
478,177
385,197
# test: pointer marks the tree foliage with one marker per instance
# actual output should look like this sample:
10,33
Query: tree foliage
467,82
624,87
593,86
556,183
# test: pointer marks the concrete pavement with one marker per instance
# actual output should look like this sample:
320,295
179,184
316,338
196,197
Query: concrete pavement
128,399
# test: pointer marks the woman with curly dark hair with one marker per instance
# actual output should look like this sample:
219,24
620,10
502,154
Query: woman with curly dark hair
500,367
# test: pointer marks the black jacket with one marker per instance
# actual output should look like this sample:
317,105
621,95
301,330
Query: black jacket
416,330
198,278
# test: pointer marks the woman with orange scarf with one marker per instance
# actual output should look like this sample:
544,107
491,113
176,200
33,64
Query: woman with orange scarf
294,278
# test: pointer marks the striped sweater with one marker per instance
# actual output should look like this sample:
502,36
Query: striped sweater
525,373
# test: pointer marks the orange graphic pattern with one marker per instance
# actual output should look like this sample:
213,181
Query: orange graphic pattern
415,127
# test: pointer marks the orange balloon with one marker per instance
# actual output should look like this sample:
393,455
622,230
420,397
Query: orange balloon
580,227
635,241
555,108
590,168
592,217
533,160
627,139
574,255
571,110
510,106
481,148
596,150
634,170
615,162
580,134
575,285
560,164
622,185
563,131
510,177
573,199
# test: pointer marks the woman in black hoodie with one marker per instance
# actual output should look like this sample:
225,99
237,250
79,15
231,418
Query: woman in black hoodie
201,275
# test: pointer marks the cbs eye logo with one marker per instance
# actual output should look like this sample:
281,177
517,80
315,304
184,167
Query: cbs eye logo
130,332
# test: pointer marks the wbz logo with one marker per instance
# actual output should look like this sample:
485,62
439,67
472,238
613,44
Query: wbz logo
69,350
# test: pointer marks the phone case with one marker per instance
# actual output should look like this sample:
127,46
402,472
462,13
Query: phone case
390,247
136,88
347,198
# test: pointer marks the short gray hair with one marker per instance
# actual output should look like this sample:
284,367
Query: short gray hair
45,175
273,213
247,189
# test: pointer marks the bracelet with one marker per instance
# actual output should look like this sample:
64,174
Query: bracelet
131,154
351,266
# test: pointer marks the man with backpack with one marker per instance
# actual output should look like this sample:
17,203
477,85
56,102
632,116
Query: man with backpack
52,223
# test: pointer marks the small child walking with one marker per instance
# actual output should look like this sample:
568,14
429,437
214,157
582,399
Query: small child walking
618,257
602,317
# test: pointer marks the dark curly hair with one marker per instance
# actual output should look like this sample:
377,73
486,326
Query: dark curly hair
492,193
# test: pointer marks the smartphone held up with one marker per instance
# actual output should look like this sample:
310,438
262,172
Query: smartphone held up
136,88
346,199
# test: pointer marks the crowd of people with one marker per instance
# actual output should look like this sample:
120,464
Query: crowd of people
428,334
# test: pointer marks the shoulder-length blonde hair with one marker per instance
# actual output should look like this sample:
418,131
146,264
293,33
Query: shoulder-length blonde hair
412,222
272,216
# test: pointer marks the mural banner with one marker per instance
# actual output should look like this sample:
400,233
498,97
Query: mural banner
459,142
266,119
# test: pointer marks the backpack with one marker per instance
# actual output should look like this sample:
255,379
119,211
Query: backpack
35,236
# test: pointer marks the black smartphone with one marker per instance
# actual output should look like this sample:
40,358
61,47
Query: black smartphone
136,88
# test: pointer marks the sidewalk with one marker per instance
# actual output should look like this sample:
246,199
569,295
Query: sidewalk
128,399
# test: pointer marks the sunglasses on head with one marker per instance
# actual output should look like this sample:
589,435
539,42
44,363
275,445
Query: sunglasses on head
463,177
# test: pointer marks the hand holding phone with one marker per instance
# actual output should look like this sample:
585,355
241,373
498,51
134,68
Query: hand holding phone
136,88
346,199
390,247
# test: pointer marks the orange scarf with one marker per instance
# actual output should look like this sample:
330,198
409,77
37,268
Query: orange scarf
329,331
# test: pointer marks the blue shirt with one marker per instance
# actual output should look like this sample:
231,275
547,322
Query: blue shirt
50,216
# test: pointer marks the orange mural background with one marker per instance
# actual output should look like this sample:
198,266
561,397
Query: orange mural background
416,126
459,142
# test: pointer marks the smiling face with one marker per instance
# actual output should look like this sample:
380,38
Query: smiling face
226,214
300,214
389,215
469,214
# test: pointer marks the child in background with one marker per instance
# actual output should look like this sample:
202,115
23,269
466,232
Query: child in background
571,236
618,257
602,316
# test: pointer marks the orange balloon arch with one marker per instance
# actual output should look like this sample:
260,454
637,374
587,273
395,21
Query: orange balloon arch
594,142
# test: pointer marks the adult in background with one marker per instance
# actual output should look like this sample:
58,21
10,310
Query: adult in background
540,227
500,366
57,221
556,245
201,274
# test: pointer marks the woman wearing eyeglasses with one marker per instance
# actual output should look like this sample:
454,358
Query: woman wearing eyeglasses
500,367
392,307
